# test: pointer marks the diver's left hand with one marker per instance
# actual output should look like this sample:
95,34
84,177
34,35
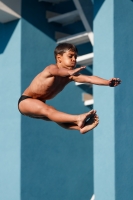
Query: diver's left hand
113,82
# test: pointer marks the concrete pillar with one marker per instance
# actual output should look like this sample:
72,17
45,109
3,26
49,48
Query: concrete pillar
10,119
113,143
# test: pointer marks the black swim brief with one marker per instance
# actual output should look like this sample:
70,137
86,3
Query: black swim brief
23,97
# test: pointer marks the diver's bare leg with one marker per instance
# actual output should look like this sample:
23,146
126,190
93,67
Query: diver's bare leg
36,108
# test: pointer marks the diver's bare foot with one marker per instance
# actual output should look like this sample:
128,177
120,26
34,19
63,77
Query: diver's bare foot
92,123
83,117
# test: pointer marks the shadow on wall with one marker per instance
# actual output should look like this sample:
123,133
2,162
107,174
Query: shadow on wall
37,21
27,12
88,8
41,8
99,3
6,31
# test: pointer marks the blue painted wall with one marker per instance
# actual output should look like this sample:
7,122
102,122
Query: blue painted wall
10,119
104,152
113,141
123,51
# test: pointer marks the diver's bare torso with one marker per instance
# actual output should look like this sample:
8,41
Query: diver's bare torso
45,86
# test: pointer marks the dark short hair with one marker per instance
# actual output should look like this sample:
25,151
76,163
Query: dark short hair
63,47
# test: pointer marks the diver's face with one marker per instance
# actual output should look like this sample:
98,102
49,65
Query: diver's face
68,59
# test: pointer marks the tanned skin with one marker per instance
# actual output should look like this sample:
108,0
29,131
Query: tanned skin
47,84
